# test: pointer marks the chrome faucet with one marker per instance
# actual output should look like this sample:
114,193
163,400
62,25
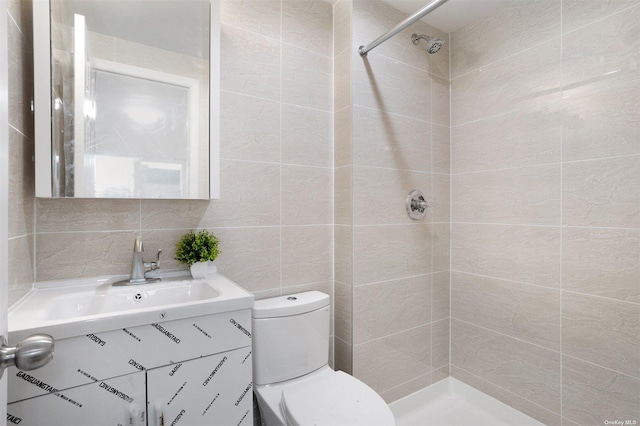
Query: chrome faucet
139,267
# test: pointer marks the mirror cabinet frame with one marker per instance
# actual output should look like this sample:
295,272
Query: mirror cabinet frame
42,102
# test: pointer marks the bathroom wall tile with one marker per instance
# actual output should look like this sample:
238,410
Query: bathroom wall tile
607,50
527,370
324,287
21,251
342,75
250,256
440,149
266,294
385,308
343,356
307,195
165,239
21,12
77,214
382,139
20,83
306,137
592,395
440,343
306,254
342,122
526,312
249,63
407,388
243,182
387,85
441,252
578,13
393,360
167,214
524,80
343,210
21,186
602,262
371,19
343,312
525,137
341,26
440,374
262,17
509,30
390,252
249,128
601,120
379,195
528,195
440,296
517,253
308,24
306,78
521,404
602,331
602,192
83,254
440,100
343,254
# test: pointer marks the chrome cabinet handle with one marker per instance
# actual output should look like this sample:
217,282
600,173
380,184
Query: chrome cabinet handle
31,353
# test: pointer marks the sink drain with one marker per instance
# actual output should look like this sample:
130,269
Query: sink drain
137,297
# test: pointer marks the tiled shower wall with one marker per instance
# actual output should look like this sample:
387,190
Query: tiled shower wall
545,232
391,136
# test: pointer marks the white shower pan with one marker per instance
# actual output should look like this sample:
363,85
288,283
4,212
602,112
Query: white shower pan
451,402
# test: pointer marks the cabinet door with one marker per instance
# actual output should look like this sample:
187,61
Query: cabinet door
113,402
212,390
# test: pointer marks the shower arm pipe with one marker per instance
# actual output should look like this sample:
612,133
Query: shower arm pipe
401,26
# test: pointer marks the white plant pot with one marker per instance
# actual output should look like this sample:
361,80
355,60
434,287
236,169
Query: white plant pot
202,269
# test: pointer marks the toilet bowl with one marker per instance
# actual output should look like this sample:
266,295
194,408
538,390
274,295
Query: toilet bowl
294,384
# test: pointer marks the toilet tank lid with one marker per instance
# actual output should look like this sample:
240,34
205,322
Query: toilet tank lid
292,304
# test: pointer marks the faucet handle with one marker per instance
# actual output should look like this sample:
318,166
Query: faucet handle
154,264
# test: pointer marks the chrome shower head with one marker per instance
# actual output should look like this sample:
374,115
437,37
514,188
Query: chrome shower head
433,44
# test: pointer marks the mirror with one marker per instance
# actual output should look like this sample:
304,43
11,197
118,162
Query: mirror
130,105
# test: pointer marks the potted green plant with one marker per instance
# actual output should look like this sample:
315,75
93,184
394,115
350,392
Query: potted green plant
198,250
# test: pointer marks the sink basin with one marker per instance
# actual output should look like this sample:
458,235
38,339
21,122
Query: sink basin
74,307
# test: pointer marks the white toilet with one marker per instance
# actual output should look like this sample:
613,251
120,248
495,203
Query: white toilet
293,382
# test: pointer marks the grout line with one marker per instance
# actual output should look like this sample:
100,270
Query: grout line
600,19
261,98
561,213
280,228
275,163
406,330
559,226
396,114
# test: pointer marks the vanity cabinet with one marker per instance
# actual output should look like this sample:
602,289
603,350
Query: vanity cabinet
192,371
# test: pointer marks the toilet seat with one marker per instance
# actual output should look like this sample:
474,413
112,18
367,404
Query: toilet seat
337,399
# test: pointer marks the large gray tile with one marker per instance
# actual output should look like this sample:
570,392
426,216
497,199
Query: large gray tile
262,17
249,128
602,262
529,78
249,64
440,343
390,252
592,395
529,195
307,254
308,24
69,214
307,195
529,254
343,197
381,309
343,312
522,311
391,361
306,78
342,146
306,137
578,13
602,331
509,30
341,26
527,370
343,254
601,121
440,296
604,193
21,272
382,139
525,137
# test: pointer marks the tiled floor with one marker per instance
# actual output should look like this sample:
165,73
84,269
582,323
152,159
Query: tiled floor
453,403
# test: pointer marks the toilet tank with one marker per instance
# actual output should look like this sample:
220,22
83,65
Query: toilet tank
290,336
